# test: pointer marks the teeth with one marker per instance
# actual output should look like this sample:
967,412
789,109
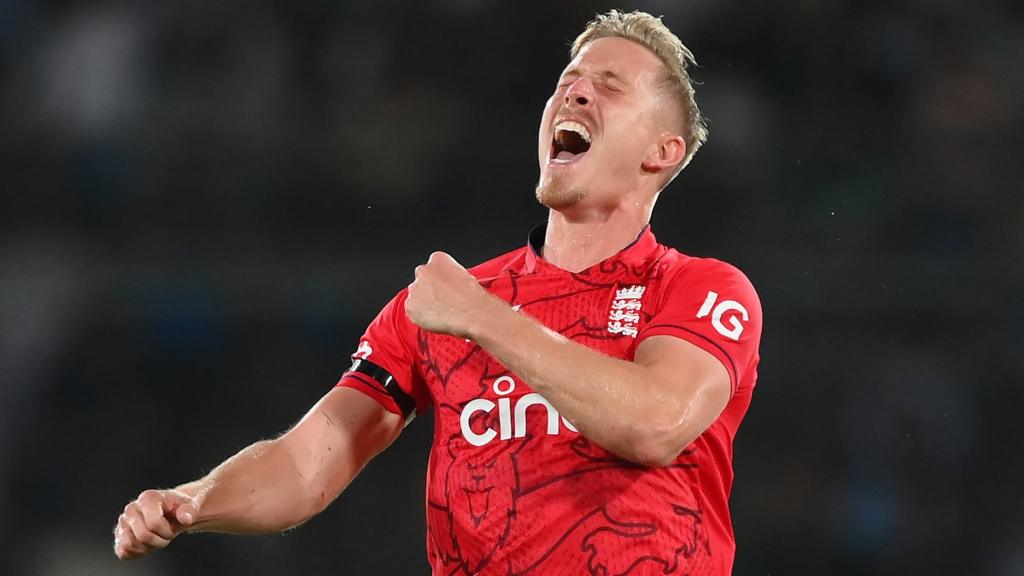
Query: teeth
574,127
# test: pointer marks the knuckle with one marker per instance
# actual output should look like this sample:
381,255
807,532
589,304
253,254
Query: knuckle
149,509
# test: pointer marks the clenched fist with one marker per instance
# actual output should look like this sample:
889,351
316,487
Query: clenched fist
151,521
445,298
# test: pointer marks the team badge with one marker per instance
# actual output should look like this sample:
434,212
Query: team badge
624,317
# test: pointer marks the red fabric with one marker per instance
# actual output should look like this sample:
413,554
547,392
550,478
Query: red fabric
511,488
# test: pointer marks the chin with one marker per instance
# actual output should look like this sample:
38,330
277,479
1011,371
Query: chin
556,196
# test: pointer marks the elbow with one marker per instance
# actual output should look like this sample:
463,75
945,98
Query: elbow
317,502
660,439
654,456
309,485
316,495
311,500
658,447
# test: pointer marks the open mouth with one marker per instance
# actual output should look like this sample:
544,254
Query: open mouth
570,142
479,502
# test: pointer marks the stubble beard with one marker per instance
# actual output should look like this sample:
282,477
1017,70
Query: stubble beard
556,195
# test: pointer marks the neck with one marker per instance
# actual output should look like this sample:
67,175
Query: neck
575,244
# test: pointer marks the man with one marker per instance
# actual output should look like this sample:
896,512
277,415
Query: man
586,387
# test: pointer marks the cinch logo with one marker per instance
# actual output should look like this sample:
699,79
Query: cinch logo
511,419
716,316
624,317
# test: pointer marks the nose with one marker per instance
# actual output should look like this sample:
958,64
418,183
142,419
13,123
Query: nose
580,93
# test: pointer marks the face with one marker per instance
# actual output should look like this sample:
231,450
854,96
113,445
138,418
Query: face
605,117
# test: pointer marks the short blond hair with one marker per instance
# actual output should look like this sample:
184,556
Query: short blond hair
651,33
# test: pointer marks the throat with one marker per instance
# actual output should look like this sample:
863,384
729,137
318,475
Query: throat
576,246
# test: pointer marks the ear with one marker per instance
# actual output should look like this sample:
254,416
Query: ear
666,155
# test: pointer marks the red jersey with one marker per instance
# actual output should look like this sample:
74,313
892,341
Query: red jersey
512,488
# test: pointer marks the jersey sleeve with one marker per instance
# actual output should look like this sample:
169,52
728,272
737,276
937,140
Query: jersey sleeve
384,363
712,305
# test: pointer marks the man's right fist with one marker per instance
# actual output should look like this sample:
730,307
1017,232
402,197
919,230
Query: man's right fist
151,521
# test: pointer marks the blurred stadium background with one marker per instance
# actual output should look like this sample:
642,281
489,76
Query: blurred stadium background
202,204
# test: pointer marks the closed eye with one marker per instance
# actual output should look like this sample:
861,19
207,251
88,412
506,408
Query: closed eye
567,80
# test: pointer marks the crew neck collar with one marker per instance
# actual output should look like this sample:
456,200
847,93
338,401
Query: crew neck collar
636,252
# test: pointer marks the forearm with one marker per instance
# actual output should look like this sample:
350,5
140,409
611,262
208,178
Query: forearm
646,410
259,490
613,402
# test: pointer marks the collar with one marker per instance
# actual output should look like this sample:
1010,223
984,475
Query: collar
639,250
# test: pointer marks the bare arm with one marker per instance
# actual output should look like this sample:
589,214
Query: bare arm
646,411
271,485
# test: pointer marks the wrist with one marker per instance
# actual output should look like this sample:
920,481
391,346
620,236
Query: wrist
192,489
489,312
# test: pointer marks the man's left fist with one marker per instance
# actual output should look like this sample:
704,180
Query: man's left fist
445,298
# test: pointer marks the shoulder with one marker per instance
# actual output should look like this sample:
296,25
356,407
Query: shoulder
677,266
705,277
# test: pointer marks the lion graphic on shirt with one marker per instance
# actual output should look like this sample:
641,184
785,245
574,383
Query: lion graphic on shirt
477,503
614,541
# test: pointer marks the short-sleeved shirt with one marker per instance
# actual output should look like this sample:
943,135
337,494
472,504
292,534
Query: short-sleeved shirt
512,487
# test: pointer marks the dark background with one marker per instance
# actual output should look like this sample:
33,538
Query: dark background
202,205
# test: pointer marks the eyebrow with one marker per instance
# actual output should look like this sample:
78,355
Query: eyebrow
605,75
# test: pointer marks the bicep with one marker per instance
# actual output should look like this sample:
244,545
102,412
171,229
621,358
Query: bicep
690,378
339,435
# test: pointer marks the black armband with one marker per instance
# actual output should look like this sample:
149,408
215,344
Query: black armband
378,374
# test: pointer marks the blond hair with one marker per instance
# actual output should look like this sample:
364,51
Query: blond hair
651,33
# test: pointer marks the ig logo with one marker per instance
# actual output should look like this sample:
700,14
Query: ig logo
724,306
